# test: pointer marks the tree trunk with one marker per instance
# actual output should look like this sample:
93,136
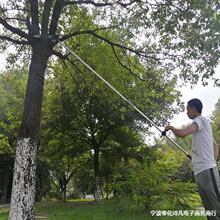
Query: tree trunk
5,186
97,185
39,190
64,194
63,187
23,189
107,188
24,179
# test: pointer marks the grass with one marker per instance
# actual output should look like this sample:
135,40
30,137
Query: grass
3,213
87,209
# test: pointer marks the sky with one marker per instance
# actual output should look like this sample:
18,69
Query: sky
209,96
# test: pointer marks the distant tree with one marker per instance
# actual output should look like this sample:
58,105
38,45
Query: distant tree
80,109
12,89
216,122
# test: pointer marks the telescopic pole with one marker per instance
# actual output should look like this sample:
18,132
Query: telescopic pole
128,101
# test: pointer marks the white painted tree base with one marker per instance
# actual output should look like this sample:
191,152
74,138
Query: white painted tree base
98,195
97,191
24,181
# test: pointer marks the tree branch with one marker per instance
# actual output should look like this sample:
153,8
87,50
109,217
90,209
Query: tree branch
124,66
67,36
13,29
100,4
16,19
100,142
139,53
81,135
56,15
125,5
112,44
34,16
21,42
45,19
88,2
61,56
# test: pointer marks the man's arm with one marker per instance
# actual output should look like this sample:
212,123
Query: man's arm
183,132
215,150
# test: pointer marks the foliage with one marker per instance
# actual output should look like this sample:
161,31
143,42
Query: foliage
168,34
216,122
5,147
157,185
43,182
78,112
12,86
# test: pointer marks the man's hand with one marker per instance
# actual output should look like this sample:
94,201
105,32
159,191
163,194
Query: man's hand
168,127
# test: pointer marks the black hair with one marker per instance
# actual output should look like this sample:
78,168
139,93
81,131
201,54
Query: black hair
195,103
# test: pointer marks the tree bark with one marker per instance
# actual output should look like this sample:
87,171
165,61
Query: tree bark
63,187
97,184
64,194
24,179
23,189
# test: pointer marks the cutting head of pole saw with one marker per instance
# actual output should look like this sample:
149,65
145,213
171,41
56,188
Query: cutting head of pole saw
163,133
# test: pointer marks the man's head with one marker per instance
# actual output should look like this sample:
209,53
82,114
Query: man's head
194,108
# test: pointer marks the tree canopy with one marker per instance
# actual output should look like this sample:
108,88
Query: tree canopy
177,34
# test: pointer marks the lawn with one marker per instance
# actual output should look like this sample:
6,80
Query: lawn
90,210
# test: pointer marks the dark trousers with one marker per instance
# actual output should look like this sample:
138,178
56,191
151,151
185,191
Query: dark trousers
208,183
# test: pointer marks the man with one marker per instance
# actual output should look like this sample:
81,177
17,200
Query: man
204,156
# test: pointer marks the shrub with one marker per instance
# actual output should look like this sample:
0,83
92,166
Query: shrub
158,184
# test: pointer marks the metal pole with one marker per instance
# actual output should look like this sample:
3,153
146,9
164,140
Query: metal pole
125,99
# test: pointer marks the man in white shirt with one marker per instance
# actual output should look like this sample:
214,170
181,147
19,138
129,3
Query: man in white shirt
204,156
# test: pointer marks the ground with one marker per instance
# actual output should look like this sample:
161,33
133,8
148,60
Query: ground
88,209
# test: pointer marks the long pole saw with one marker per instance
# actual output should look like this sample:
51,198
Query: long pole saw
128,101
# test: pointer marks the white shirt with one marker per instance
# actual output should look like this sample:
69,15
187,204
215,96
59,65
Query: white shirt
202,146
